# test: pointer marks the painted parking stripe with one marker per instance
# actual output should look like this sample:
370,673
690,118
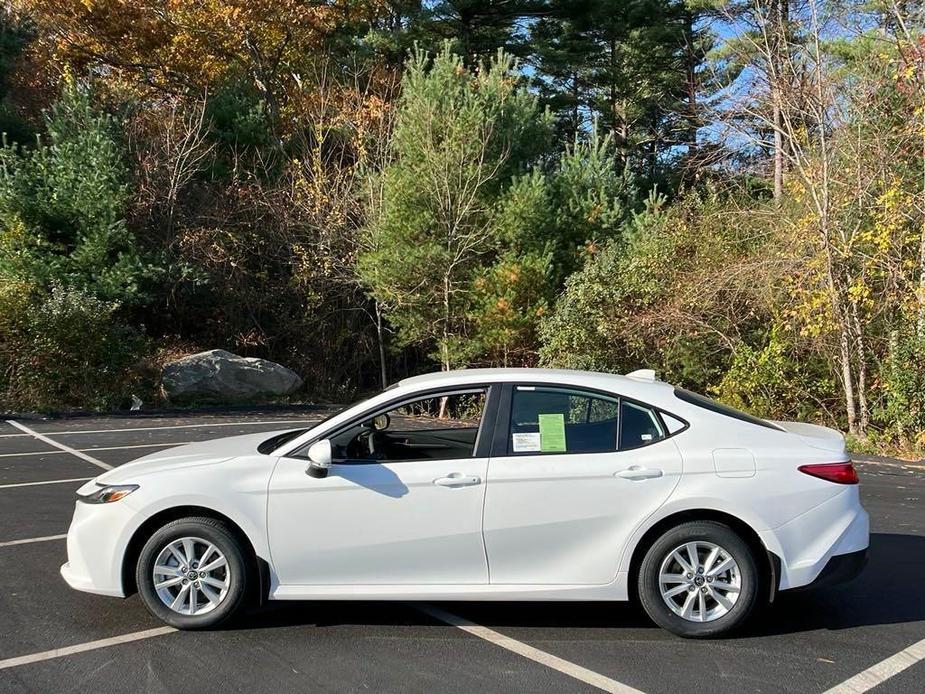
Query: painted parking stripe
84,647
52,442
101,448
882,671
37,484
551,661
66,432
30,540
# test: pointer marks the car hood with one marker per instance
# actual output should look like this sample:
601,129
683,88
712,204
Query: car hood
199,453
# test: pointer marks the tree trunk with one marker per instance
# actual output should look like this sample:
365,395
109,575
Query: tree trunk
844,348
446,338
864,414
840,315
613,95
691,87
780,11
445,346
920,323
380,337
895,366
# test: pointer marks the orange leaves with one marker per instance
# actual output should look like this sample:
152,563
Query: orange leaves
178,44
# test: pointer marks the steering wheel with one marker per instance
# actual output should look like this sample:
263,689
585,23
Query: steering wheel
371,442
364,445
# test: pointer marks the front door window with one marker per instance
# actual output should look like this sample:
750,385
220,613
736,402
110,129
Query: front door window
441,426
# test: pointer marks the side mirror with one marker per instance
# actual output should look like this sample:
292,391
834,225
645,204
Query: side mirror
381,422
319,456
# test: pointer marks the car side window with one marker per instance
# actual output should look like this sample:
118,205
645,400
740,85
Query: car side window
640,426
561,420
436,427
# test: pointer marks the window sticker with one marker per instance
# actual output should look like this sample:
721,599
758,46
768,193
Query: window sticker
552,433
525,443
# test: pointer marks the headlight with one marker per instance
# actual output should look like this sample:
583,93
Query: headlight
106,494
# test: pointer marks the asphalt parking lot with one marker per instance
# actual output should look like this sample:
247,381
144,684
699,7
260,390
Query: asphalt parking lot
869,634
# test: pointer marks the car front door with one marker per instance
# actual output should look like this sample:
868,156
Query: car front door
402,503
572,473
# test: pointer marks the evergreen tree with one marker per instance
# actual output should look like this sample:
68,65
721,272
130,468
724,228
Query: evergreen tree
479,28
63,206
459,139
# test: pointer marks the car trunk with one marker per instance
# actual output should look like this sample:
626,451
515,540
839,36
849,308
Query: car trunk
816,436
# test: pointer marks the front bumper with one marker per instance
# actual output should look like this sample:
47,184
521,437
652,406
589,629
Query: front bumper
96,543
85,583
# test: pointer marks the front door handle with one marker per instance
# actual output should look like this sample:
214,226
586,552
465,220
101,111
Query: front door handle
638,472
458,479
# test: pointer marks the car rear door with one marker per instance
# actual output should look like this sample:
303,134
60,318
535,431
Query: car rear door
562,500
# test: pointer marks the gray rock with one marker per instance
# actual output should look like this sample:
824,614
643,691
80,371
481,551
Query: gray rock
220,376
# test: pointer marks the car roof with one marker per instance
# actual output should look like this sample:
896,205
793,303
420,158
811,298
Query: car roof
630,386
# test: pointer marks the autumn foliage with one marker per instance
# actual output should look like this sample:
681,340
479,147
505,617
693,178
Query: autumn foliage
732,193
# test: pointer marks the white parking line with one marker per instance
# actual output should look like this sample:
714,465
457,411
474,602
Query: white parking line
66,432
36,484
83,647
52,442
107,448
882,671
30,540
551,661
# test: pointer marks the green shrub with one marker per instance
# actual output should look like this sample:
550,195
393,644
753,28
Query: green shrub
903,384
66,349
775,381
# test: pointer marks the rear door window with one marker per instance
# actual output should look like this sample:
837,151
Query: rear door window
561,420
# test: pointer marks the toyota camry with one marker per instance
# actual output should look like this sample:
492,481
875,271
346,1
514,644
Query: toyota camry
484,484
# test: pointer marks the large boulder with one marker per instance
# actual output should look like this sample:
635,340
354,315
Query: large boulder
220,376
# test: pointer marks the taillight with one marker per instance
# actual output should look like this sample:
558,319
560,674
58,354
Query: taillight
840,473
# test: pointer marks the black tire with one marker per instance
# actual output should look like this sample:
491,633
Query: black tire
655,605
238,571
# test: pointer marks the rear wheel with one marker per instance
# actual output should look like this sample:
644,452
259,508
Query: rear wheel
699,580
192,573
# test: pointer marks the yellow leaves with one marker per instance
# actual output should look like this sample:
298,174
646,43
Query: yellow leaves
859,292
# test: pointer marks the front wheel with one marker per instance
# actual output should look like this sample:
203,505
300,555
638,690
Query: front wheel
699,580
192,573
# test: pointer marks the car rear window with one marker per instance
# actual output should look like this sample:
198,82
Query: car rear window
709,404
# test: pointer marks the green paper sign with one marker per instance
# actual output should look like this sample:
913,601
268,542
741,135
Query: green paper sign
552,433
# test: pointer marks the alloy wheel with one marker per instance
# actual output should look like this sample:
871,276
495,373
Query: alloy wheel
699,581
191,576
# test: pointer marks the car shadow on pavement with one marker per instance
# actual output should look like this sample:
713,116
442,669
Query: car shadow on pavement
885,593
892,575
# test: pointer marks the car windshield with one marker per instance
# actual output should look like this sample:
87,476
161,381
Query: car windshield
274,442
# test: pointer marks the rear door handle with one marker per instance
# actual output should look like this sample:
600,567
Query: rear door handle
458,479
637,472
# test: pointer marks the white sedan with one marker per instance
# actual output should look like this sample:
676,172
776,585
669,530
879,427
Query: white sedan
495,484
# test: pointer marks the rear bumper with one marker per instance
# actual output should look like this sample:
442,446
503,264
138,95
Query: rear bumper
841,568
807,544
